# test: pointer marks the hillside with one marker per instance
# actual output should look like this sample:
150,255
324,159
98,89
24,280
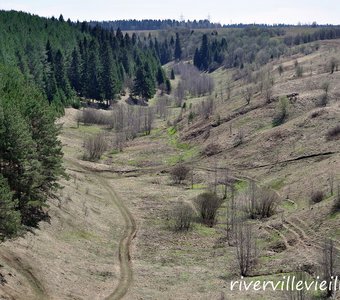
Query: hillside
258,139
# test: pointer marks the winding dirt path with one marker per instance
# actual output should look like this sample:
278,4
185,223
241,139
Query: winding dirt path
130,230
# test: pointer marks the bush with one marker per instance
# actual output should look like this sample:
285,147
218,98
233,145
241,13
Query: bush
337,199
333,133
179,173
281,113
207,204
317,196
299,71
332,65
182,217
211,149
239,138
322,102
262,202
95,146
92,116
75,104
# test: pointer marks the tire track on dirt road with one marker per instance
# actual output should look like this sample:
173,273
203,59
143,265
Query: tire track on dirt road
26,271
130,230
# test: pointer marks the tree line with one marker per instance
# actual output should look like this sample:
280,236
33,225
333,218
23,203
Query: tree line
70,60
149,24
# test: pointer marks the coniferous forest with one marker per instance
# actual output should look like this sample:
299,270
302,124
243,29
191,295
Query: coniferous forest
46,65
66,60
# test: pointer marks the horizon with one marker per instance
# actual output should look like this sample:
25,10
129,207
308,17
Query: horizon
216,11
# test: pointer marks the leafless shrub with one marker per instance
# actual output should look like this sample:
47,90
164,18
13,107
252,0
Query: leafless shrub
280,69
317,196
333,133
179,173
90,116
192,81
298,71
94,146
281,112
211,149
231,215
206,108
332,65
207,204
162,107
268,91
119,141
329,265
182,217
239,138
317,113
322,101
132,120
298,294
247,94
246,248
330,180
262,202
337,199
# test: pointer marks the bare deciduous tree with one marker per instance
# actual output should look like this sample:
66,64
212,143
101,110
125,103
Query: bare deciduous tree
329,258
119,140
246,248
206,108
247,94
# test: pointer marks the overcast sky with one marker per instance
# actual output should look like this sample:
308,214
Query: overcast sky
224,11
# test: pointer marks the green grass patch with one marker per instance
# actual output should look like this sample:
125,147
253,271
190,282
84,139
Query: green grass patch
288,206
172,130
182,156
79,235
199,186
277,183
88,129
241,185
204,230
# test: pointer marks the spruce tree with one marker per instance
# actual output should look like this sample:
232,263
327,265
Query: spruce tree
204,53
178,49
109,75
60,74
197,59
144,83
172,75
74,72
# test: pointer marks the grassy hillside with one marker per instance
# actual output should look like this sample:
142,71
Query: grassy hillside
235,172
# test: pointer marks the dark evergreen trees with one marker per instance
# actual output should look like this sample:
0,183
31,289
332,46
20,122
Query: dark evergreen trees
30,152
66,59
9,216
202,57
144,83
178,49
111,84
74,72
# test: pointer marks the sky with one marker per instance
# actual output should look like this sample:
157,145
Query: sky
225,12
